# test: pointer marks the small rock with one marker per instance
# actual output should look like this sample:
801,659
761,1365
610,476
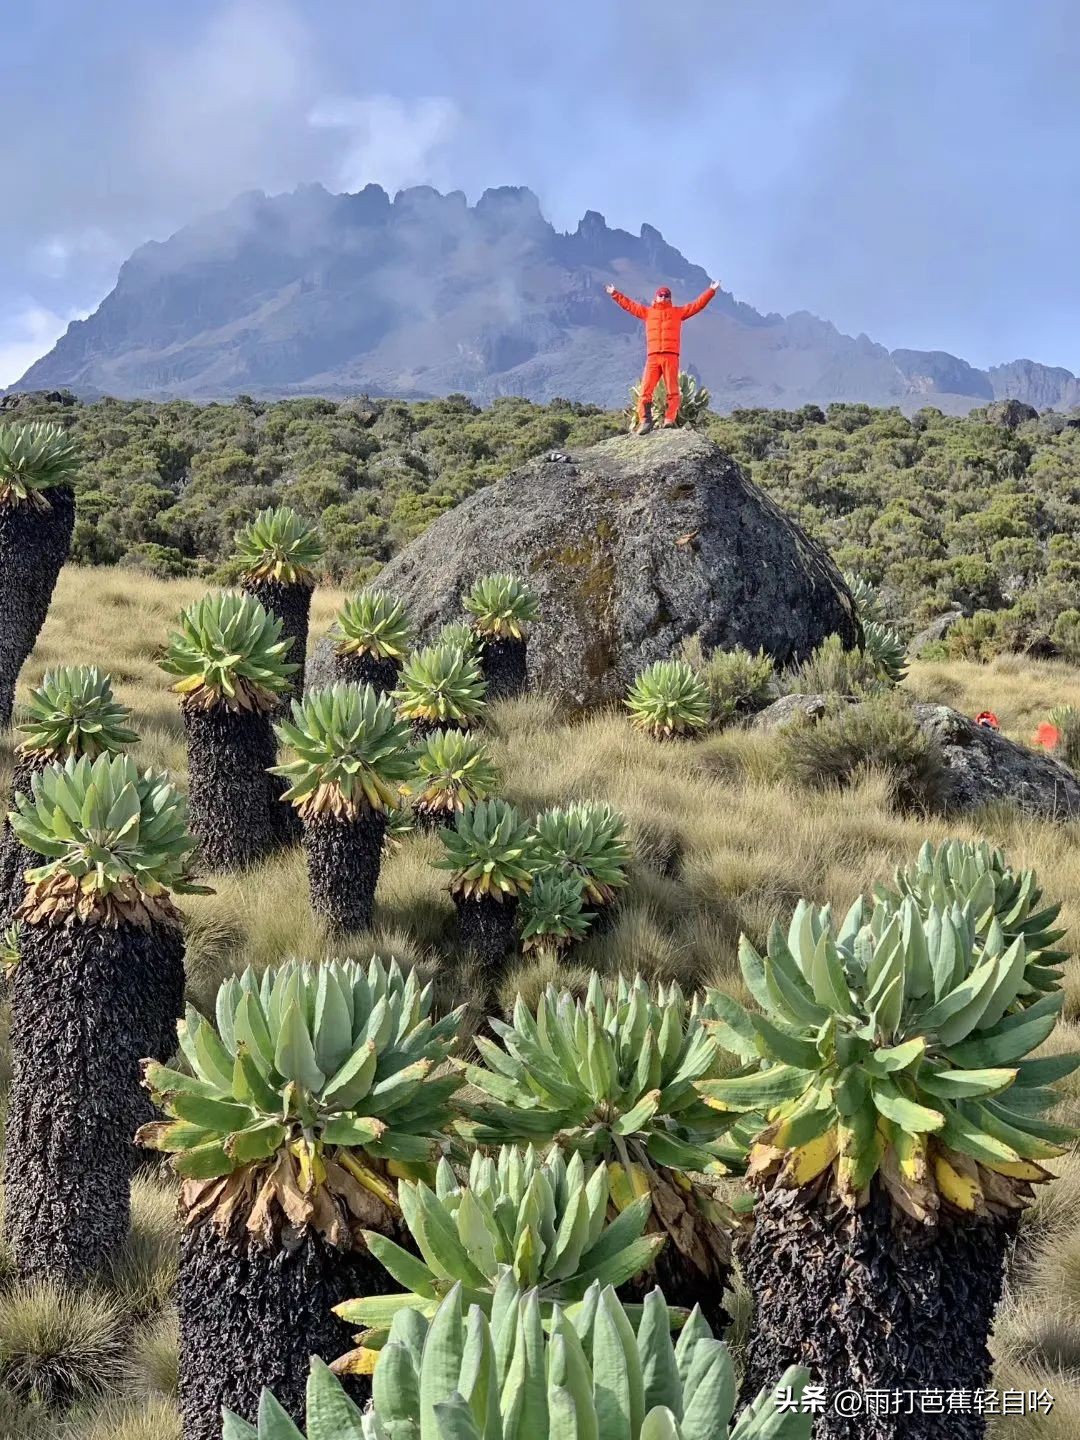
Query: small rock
1010,413
936,631
793,708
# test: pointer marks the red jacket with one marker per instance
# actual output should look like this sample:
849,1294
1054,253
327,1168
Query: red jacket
663,320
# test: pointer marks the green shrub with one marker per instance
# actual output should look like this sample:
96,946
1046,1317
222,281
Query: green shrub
876,735
834,670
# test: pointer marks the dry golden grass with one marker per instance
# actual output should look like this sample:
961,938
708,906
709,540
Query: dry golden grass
722,843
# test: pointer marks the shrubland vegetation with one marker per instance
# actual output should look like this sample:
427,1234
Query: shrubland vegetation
714,964
724,831
938,511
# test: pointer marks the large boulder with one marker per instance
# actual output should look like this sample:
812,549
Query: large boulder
984,768
631,545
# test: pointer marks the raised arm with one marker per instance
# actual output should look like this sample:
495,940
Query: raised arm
634,306
701,301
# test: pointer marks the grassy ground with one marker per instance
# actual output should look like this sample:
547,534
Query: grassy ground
724,842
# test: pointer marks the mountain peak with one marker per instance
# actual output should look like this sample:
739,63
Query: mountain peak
317,293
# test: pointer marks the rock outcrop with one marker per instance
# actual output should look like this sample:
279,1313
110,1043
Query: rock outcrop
983,766
631,546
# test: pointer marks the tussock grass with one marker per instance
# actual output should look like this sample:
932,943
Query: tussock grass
58,1346
151,1368
125,1420
144,1272
725,839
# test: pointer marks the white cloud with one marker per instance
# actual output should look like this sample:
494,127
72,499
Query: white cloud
388,141
25,335
56,254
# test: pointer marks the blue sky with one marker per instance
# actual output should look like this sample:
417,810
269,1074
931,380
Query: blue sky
911,171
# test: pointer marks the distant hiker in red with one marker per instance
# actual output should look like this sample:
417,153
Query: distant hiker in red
663,330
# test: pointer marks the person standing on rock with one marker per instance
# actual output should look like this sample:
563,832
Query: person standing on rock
663,331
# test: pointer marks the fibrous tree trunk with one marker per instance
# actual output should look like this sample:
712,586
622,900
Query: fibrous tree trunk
231,798
292,606
694,1267
252,1317
343,861
504,662
34,543
487,928
872,1302
363,669
88,1002
15,858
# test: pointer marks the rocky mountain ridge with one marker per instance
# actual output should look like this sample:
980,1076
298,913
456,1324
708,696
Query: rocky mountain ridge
424,295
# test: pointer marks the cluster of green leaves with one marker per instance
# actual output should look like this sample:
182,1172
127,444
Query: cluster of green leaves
305,1058
114,841
501,606
228,651
898,1044
612,1076
553,914
586,840
372,623
74,712
587,1374
668,698
34,456
452,772
352,752
441,684
542,1219
280,545
490,851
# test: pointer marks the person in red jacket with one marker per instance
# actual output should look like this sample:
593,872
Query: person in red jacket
663,330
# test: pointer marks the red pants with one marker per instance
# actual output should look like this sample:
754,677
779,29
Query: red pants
664,366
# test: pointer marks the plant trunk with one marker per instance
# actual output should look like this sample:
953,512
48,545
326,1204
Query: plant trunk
33,546
291,604
697,1272
343,860
421,729
16,858
488,929
231,798
381,673
870,1301
88,1002
505,665
251,1317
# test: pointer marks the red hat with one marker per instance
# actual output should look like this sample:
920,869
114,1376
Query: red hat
988,720
663,293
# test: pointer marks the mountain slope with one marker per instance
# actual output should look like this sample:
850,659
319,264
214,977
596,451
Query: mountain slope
424,295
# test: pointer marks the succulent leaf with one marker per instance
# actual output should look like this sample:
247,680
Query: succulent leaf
228,652
613,1078
372,623
890,1047
587,839
33,458
352,752
553,912
280,545
458,1375
115,843
490,851
443,685
453,772
669,698
309,1082
885,648
501,606
544,1220
73,712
